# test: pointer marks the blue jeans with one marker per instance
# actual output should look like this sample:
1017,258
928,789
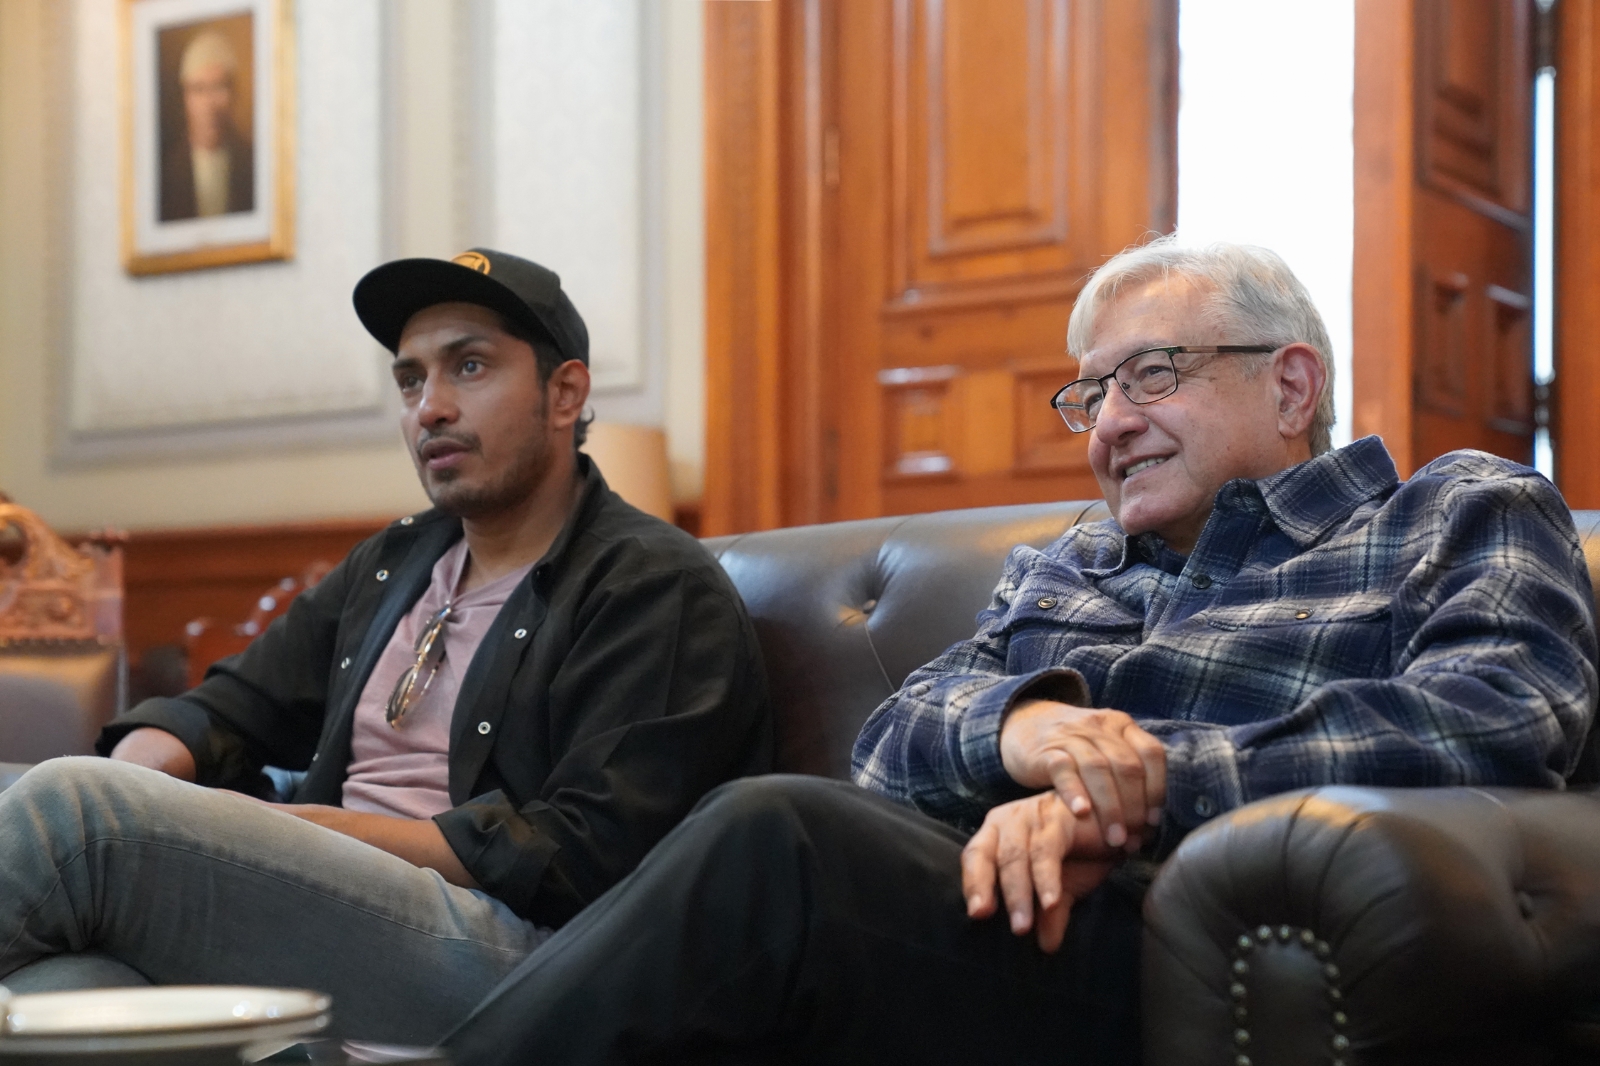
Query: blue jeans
112,874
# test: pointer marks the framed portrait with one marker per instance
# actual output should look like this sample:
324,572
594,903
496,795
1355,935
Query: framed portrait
208,133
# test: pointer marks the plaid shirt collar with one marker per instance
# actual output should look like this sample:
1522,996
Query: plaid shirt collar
1306,501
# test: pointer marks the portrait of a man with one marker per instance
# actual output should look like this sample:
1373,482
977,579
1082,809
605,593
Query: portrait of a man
207,155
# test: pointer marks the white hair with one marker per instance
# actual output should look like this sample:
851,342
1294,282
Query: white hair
1254,297
207,48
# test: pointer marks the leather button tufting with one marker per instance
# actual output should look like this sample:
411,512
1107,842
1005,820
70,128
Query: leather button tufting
869,606
1525,904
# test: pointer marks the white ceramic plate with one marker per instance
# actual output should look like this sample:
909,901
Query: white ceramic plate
175,1008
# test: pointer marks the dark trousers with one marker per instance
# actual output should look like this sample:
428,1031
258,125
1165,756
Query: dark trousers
797,919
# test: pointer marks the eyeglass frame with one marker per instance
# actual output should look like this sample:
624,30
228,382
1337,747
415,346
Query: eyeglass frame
1169,350
430,653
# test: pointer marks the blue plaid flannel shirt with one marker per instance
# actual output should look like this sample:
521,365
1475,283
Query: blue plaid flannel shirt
1332,625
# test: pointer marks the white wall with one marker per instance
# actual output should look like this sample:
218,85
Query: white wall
1265,151
619,219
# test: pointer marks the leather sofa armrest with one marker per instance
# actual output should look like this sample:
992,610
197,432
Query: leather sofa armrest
1375,925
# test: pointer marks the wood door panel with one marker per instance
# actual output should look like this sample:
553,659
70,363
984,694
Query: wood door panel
986,125
1474,351
998,335
1443,354
994,164
1473,98
947,172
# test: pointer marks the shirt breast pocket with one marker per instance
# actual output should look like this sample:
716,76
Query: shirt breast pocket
1044,626
1345,636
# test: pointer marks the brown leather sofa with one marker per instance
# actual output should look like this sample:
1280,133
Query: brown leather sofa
1336,925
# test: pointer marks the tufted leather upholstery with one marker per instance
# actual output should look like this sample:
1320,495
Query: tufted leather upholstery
846,611
1463,925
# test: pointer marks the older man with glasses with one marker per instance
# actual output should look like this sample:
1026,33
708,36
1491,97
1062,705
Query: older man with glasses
1262,613
500,705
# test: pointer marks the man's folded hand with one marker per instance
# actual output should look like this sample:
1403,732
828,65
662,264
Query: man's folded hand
1099,761
1034,848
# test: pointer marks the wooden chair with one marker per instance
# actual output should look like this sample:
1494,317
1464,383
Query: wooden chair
63,664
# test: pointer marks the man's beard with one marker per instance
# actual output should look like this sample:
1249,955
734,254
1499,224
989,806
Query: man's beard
516,482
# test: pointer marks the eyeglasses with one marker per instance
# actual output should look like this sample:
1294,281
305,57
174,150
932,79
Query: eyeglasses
1144,377
413,684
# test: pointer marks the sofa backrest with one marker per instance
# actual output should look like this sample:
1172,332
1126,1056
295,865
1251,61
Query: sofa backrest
845,611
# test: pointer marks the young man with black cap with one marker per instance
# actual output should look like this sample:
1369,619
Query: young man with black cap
500,705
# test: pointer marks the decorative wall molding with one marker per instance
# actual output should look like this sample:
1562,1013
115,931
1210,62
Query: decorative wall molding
239,358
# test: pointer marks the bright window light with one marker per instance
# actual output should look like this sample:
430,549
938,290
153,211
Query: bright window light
1265,151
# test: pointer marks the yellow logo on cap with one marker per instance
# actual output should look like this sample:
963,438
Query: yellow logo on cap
473,261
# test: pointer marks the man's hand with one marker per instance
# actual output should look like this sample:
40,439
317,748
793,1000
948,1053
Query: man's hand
1034,847
1098,761
157,749
419,841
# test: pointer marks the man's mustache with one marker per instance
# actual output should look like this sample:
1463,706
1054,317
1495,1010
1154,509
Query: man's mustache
468,441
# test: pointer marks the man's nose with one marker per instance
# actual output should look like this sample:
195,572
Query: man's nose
438,403
1119,416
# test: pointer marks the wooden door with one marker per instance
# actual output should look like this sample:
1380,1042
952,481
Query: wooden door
948,172
1442,289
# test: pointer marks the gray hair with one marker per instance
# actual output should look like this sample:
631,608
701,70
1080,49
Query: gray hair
1255,297
207,48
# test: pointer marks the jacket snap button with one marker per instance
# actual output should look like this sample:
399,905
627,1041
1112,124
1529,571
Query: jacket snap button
1201,581
483,727
1046,602
383,575
345,665
407,520
1204,807
1302,615
519,634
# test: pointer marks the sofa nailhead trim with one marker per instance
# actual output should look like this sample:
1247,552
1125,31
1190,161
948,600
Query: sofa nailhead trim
1240,993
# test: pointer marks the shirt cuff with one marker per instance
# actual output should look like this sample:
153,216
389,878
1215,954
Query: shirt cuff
985,714
1203,778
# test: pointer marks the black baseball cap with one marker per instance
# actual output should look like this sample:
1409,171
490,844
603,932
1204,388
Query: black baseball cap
520,289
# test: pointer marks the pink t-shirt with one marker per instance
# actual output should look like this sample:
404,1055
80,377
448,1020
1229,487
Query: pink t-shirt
404,770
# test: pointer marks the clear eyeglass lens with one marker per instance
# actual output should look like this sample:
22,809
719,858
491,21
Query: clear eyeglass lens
1148,378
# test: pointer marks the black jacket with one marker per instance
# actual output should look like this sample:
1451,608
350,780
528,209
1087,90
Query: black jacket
620,682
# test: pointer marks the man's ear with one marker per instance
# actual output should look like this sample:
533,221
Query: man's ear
1299,378
565,393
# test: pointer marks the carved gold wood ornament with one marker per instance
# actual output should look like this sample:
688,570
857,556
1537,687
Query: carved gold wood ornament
53,591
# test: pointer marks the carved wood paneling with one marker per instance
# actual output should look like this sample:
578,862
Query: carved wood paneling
1442,352
945,172
983,135
1044,444
1577,320
995,163
1473,98
173,577
921,421
1509,400
1443,250
51,591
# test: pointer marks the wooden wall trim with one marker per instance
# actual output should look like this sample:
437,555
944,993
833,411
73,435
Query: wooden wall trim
1381,283
744,298
1577,254
172,577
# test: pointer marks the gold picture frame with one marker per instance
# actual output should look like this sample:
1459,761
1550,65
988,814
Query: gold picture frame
208,124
